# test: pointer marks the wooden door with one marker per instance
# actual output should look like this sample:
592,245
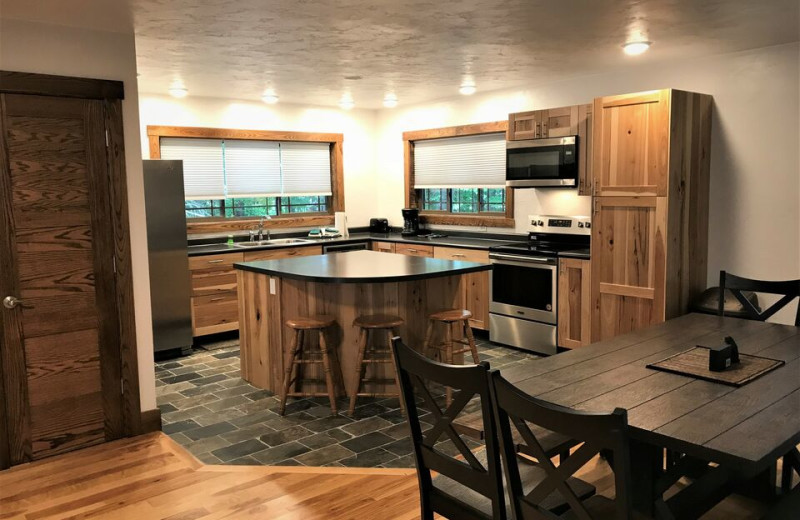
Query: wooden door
628,264
631,144
61,345
574,302
560,122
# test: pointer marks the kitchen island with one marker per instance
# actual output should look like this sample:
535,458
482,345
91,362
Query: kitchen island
344,286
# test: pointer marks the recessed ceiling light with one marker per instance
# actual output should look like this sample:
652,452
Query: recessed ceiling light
346,103
635,48
467,88
390,101
269,97
178,92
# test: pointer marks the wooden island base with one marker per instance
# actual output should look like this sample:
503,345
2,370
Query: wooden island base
267,301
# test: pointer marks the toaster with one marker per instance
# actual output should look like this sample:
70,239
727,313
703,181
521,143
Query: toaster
378,225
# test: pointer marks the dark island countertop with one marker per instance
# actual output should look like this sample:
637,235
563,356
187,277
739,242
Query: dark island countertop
361,267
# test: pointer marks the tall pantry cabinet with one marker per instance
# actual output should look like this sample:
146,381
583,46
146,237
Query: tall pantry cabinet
650,181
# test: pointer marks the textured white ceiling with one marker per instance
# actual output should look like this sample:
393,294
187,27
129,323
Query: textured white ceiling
420,50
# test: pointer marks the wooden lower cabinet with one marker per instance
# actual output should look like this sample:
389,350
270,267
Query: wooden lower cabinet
476,286
574,302
215,305
383,247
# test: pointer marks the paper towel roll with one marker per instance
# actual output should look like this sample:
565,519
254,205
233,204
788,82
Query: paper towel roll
340,222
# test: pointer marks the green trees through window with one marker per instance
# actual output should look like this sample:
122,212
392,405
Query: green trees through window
464,200
256,206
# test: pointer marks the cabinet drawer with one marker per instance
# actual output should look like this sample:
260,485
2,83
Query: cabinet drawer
220,261
283,252
458,253
215,313
383,247
414,250
213,281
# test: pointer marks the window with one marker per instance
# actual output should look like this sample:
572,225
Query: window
456,175
464,200
241,178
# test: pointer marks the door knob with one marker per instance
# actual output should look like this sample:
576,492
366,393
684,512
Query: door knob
9,302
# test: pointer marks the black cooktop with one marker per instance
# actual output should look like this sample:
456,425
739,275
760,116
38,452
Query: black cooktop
545,244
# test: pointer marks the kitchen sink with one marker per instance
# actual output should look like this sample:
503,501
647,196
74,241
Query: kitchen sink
273,242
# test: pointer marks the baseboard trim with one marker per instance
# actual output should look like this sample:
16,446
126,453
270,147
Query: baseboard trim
151,421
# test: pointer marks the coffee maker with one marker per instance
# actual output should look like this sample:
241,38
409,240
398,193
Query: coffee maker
410,222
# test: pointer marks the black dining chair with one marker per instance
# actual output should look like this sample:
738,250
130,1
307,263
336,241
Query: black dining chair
598,431
788,289
469,485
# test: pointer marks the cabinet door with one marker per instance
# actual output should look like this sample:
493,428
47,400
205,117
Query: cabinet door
631,144
574,302
628,264
559,122
383,247
215,313
525,125
475,285
585,149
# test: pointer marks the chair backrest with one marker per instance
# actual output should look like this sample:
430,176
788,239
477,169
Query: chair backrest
415,373
789,289
597,431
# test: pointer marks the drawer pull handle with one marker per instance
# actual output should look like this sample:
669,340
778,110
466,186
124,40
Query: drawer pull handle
460,255
216,299
216,261
413,251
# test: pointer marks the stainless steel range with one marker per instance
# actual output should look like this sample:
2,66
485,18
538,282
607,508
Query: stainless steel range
524,282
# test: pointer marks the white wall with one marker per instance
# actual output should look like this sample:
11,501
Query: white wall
755,158
356,125
49,49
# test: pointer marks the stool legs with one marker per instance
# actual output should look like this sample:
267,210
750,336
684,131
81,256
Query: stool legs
448,356
392,333
444,352
471,341
363,337
326,363
297,341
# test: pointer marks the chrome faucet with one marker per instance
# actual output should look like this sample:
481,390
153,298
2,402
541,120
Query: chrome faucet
261,228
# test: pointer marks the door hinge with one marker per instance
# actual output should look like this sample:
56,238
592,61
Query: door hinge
106,137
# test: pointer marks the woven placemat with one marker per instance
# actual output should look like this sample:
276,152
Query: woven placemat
694,363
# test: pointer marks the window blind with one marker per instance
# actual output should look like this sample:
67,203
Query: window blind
203,166
306,168
252,168
475,161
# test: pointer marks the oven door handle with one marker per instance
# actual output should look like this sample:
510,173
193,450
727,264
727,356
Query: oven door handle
521,258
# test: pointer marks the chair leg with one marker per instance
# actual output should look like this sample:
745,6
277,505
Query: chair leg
391,334
426,346
358,371
448,356
288,369
326,363
471,338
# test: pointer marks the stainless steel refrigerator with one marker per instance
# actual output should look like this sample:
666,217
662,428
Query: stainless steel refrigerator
170,283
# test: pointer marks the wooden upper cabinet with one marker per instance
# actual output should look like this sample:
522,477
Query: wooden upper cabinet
631,144
524,125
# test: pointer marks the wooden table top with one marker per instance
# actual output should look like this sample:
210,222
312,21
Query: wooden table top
744,427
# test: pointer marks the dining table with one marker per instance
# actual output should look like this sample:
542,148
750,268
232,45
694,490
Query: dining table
725,438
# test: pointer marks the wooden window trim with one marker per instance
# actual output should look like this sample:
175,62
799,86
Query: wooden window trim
221,225
442,218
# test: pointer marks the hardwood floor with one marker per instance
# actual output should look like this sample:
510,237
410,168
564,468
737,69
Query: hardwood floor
152,477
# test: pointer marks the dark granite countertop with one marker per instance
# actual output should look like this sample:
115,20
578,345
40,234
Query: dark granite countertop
447,241
361,267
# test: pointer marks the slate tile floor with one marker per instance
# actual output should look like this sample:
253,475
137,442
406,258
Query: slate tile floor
221,419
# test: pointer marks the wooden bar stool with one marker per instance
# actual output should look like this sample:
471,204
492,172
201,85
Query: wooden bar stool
451,318
295,358
369,325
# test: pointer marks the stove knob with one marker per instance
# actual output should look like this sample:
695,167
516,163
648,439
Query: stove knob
540,223
533,223
580,224
588,225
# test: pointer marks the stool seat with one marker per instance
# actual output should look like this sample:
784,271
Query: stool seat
311,322
451,315
378,321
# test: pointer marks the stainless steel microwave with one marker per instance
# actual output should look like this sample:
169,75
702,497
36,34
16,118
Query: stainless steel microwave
537,163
